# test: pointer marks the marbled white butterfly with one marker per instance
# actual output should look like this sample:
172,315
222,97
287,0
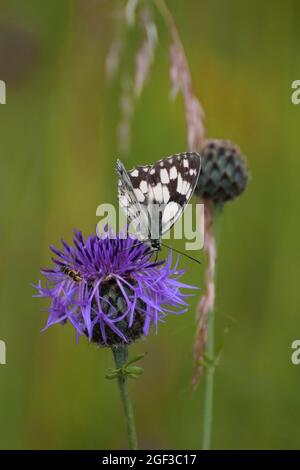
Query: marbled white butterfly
153,197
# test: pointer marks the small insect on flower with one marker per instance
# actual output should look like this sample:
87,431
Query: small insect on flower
110,289
75,275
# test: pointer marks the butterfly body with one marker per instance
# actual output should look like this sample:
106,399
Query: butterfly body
154,196
155,243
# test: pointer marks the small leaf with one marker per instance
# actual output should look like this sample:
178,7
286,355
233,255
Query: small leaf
111,376
135,370
135,359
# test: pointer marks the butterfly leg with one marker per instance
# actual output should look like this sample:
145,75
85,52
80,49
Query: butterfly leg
151,252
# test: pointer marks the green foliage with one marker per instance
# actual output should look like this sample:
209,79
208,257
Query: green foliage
127,370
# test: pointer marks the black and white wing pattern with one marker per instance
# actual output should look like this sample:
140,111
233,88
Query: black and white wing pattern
167,185
129,202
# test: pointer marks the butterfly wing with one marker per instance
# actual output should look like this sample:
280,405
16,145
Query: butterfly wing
129,200
168,184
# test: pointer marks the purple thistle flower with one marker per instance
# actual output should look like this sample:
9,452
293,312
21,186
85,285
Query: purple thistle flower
110,289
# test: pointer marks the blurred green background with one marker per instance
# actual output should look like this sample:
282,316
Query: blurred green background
58,149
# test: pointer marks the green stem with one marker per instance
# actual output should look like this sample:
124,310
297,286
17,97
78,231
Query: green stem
209,386
210,348
120,355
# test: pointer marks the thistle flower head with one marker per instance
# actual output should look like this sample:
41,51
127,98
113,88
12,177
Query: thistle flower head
110,289
224,173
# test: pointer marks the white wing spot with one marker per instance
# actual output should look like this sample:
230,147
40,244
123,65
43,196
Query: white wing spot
143,187
170,212
135,173
179,184
186,187
164,176
152,171
185,184
123,201
166,194
158,194
185,163
173,173
139,195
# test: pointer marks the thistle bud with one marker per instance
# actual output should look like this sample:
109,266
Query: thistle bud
224,172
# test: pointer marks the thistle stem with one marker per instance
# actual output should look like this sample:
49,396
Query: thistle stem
120,353
210,348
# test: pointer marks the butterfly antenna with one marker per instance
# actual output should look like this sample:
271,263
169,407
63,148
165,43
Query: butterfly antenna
181,253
